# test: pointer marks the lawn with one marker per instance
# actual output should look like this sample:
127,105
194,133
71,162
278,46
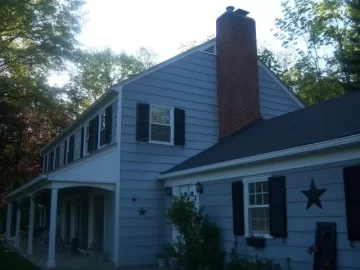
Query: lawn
10,260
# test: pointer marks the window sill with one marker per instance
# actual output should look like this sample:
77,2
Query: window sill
266,236
163,143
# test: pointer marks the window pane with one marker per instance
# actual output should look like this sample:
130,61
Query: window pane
266,212
160,133
251,187
252,199
259,199
160,116
262,227
265,186
266,198
254,226
258,187
253,213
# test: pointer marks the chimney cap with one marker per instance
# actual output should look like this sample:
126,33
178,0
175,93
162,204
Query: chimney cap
242,12
230,9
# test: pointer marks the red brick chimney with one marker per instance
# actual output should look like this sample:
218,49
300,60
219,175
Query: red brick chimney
237,71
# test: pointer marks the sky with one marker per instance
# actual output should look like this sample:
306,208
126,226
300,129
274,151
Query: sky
163,25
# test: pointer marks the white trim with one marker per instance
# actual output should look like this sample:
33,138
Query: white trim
116,195
282,85
246,181
267,156
86,140
101,112
171,110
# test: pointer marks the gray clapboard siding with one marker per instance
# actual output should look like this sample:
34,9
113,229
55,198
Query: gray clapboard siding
216,199
189,83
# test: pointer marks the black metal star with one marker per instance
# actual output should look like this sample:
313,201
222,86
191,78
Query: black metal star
133,199
142,211
313,195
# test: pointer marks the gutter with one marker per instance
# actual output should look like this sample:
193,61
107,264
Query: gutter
263,157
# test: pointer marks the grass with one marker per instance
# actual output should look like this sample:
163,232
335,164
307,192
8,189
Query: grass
11,260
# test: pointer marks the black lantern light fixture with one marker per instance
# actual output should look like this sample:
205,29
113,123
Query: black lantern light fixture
199,187
168,191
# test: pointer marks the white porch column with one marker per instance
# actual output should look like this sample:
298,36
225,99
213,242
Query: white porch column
31,226
52,234
91,220
8,221
18,218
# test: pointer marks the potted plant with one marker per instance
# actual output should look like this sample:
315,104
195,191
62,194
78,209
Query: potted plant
171,253
257,241
93,252
161,260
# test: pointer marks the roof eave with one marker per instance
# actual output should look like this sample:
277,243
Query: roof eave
267,156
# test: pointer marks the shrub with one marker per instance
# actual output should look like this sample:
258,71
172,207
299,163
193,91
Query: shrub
198,242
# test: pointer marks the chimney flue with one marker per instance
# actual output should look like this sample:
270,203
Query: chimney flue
230,8
237,72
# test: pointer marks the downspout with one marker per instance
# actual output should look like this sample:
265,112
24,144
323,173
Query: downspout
116,255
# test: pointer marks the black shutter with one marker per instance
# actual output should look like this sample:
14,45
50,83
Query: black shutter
51,161
65,151
71,149
108,124
179,126
82,142
142,122
238,207
352,201
57,157
90,146
45,163
96,132
277,206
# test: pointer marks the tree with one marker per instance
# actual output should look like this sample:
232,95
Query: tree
351,61
97,70
36,37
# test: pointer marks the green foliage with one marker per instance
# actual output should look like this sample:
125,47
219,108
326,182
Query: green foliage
238,262
198,243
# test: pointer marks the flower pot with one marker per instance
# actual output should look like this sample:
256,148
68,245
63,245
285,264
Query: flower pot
257,242
162,262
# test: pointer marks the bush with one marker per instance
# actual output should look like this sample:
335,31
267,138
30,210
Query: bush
238,262
198,244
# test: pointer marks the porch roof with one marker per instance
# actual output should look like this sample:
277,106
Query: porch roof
36,182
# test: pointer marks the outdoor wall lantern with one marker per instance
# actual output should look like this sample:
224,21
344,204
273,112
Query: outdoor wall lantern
199,187
168,191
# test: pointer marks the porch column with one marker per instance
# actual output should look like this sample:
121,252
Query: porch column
31,226
8,220
52,233
91,220
18,218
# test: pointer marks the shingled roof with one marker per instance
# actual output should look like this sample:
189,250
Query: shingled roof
335,118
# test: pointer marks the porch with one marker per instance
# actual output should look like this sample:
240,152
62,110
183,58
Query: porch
56,225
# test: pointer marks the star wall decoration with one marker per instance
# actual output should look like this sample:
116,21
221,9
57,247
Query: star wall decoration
133,199
313,195
142,211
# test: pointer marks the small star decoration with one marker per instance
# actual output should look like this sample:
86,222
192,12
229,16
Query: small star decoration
133,199
142,211
313,195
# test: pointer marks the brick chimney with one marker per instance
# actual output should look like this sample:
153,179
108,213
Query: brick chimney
237,71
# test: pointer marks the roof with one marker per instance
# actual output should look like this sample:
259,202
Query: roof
333,119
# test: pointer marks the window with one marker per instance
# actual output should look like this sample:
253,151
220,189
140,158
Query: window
161,124
256,198
102,125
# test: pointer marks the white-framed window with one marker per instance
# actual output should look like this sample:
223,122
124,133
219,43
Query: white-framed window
256,203
161,124
102,125
86,138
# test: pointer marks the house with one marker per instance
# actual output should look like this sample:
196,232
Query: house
213,117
